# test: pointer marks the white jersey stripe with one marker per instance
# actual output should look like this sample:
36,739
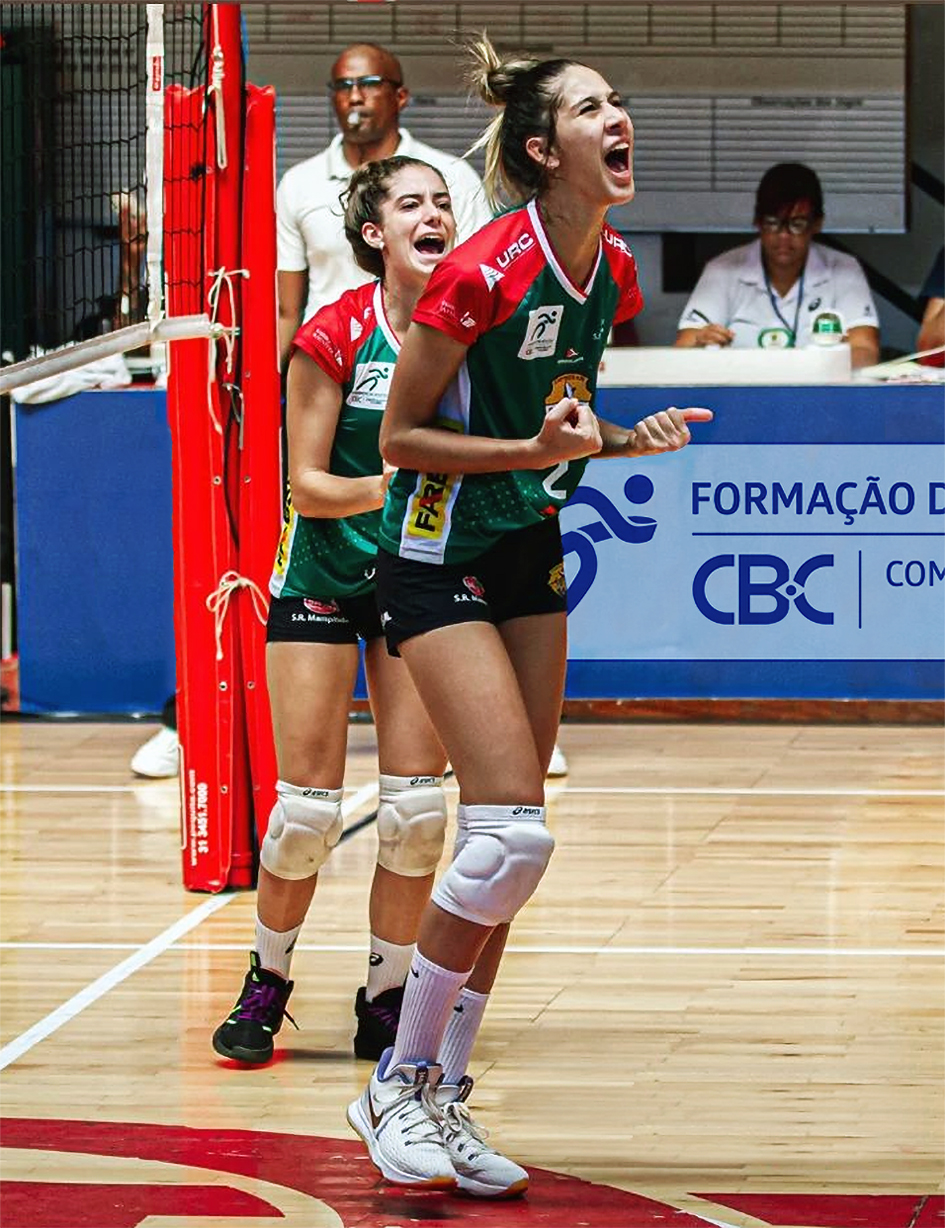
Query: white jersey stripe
578,294
381,316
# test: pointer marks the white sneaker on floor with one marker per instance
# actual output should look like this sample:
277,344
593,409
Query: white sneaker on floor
558,765
396,1118
159,756
480,1169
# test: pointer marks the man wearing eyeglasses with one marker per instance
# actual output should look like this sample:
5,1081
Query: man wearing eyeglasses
315,263
768,293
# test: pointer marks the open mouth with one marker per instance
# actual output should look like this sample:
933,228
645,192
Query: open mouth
618,158
431,245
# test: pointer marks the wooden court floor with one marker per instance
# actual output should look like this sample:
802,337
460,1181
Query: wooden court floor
724,1005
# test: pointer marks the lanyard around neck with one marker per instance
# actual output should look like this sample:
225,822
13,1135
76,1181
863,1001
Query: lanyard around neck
792,332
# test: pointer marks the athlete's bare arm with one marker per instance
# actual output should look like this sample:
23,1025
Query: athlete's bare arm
313,408
665,431
411,439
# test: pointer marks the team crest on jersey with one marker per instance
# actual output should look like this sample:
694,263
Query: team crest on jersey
371,385
541,336
491,275
570,384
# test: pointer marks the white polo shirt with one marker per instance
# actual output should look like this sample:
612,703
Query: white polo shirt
309,219
732,291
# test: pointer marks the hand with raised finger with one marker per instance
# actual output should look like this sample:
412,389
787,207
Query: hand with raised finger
665,431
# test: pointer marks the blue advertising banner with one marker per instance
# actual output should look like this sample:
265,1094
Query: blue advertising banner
795,549
811,566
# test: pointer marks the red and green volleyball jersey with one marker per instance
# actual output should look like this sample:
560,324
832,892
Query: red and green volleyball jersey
534,337
353,343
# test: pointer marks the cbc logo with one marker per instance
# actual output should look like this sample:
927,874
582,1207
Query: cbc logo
765,589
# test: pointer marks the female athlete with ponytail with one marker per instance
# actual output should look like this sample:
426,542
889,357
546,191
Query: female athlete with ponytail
490,422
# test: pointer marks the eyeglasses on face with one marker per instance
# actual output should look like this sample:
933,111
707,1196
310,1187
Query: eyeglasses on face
799,225
374,81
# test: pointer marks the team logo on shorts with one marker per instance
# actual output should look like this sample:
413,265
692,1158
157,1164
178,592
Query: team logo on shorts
556,580
475,587
320,607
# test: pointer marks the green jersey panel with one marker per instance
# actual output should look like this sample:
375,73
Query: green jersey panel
353,343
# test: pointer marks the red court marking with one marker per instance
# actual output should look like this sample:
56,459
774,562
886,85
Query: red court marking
337,1172
838,1210
28,1204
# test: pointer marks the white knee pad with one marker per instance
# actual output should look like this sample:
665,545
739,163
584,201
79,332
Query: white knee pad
411,824
498,865
304,826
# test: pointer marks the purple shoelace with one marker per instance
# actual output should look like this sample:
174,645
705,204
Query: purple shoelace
261,1003
389,1017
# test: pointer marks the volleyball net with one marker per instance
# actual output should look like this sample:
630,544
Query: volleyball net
81,177
138,183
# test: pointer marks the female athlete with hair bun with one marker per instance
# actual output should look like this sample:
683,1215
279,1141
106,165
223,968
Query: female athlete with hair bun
399,221
490,422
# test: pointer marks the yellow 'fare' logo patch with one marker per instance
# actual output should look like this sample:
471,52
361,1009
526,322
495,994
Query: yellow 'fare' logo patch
427,515
282,554
428,505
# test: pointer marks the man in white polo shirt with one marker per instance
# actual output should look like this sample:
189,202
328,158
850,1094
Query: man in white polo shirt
768,293
315,263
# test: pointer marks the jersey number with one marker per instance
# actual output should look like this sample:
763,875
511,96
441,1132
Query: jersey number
554,476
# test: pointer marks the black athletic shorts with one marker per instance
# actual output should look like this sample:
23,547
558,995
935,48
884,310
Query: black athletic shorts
323,620
522,574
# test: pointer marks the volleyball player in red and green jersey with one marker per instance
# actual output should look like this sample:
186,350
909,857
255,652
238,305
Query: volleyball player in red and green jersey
399,221
490,421
532,337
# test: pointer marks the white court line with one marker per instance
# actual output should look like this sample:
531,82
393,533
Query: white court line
145,784
556,790
721,791
142,956
91,993
345,948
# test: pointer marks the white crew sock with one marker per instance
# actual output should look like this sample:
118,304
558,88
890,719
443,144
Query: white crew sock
388,965
275,948
428,1002
461,1032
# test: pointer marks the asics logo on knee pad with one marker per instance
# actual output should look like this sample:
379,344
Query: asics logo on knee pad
498,864
423,780
303,829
